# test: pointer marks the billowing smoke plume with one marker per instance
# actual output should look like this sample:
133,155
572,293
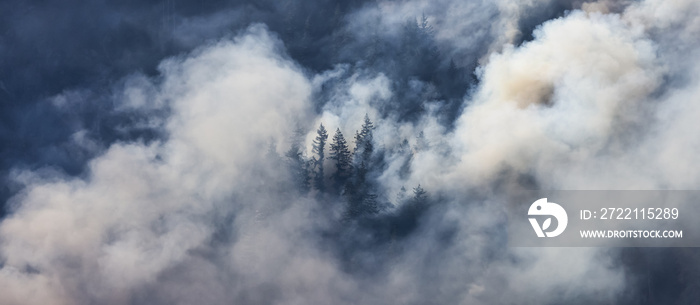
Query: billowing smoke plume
200,174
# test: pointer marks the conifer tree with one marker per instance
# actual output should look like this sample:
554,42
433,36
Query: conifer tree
364,145
341,154
298,165
319,145
419,195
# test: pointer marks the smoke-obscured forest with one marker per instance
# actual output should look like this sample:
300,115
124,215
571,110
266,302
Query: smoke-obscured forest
335,152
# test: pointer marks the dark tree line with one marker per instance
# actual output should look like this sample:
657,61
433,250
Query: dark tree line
351,177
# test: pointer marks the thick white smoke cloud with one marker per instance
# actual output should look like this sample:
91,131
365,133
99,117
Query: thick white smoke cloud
142,208
559,100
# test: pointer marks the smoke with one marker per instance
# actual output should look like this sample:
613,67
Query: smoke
142,207
560,99
183,186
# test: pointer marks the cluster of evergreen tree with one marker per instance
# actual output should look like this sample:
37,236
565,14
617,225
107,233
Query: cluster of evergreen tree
350,177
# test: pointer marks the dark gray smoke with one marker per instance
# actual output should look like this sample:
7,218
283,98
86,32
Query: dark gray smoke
170,152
